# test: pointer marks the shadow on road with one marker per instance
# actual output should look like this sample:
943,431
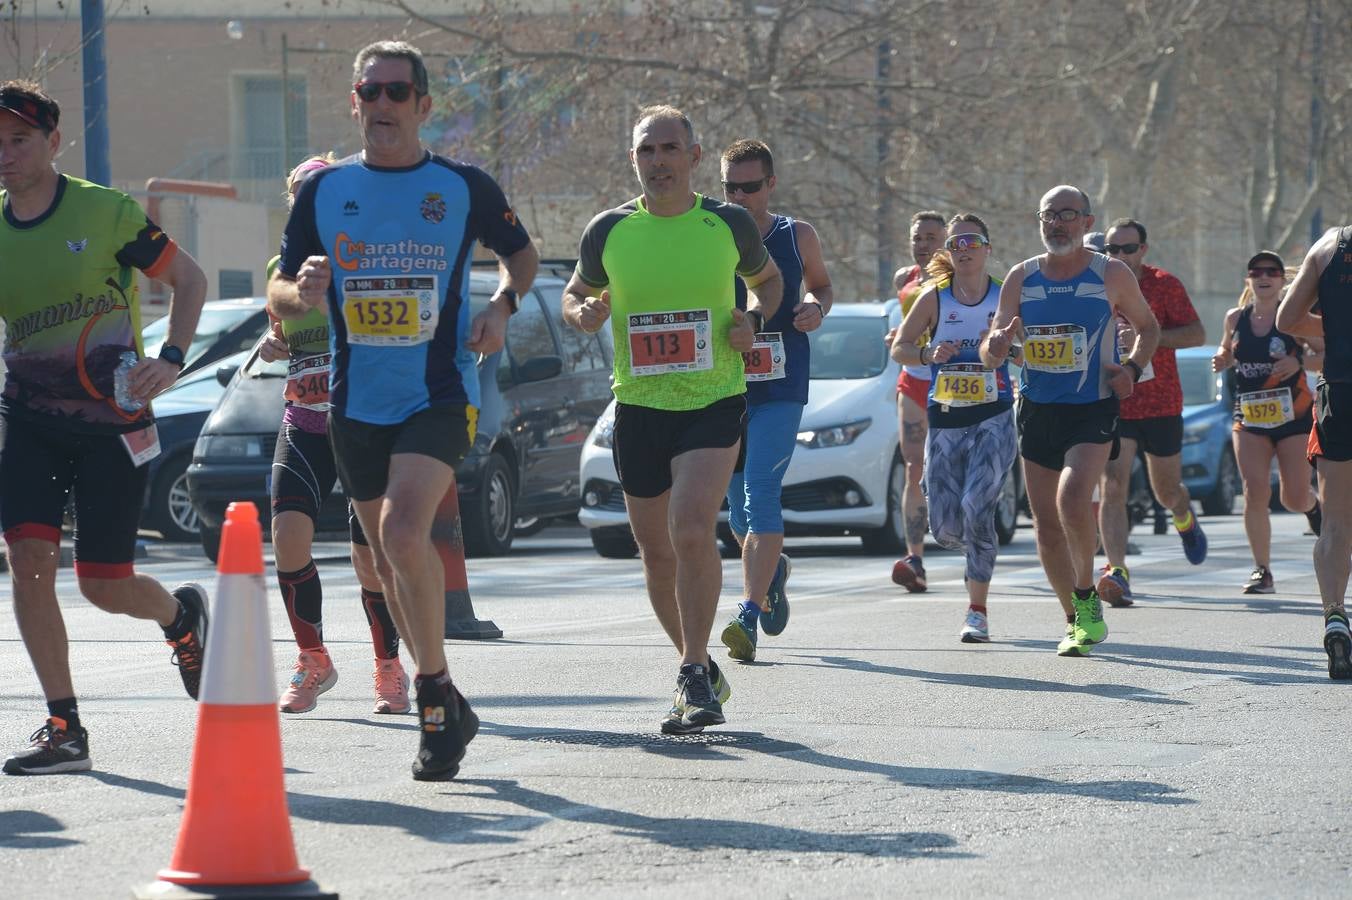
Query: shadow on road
24,829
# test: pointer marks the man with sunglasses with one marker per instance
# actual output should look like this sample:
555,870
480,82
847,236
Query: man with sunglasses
776,392
383,240
1062,307
1319,305
1151,418
928,230
666,262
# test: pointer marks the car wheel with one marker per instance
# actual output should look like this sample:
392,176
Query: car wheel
487,518
1007,510
891,538
614,542
1221,501
531,526
171,510
211,542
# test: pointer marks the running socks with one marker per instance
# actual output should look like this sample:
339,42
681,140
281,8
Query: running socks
749,609
65,710
304,599
182,624
1183,523
384,636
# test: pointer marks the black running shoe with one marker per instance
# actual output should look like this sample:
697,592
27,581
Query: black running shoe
190,647
1260,581
1337,644
695,705
52,749
1316,518
446,726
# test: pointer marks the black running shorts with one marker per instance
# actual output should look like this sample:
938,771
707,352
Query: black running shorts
1332,438
647,440
303,476
1048,430
1159,435
41,464
362,451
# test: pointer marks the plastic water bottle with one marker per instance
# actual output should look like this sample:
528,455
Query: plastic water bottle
120,389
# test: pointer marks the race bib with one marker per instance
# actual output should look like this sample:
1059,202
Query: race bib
1267,409
307,382
141,445
391,312
1054,348
765,360
964,384
1123,351
662,343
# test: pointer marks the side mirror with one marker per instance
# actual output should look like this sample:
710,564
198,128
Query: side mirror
539,369
225,373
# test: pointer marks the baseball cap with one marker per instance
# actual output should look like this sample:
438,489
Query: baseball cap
1268,255
1094,241
36,114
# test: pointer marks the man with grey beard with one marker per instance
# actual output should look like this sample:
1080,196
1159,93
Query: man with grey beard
1062,306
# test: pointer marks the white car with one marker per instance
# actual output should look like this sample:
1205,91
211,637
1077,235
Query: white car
846,473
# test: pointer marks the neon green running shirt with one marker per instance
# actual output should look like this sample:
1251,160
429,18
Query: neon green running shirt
671,283
71,306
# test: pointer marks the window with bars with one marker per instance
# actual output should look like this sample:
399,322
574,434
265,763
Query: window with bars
259,137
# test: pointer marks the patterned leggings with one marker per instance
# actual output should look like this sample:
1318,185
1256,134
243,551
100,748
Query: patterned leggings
965,470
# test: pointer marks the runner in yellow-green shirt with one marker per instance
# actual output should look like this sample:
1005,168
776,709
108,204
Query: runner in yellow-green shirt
661,269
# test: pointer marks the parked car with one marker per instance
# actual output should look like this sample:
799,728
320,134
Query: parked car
226,327
846,474
1208,457
541,395
180,413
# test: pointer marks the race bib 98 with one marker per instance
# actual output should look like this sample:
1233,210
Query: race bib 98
765,360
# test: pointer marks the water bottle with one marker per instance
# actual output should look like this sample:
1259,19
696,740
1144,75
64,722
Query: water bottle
120,389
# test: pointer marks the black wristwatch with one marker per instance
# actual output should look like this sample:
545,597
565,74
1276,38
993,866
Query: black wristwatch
759,321
512,299
171,354
1137,369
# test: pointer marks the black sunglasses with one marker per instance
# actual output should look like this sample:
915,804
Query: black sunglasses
397,91
1260,271
1126,249
746,187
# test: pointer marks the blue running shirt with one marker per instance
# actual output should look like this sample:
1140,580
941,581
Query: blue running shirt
1068,335
399,242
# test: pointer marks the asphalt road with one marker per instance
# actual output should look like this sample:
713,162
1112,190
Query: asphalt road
1201,751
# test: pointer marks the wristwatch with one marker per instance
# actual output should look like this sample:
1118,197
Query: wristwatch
171,354
1135,368
512,299
759,321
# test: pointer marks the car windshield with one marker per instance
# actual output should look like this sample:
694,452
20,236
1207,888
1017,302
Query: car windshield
196,390
1200,384
210,327
848,347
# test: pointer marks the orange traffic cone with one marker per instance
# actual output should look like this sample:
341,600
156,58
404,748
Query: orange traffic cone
450,543
235,838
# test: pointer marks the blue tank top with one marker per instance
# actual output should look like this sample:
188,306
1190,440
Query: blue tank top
963,391
782,244
1069,335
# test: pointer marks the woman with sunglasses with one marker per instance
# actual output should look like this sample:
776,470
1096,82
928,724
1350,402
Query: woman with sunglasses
972,441
1273,409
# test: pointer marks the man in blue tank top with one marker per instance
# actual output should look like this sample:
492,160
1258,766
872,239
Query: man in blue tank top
382,241
1061,307
1319,304
776,392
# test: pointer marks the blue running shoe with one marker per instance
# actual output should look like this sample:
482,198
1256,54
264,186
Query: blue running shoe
777,619
1114,586
739,635
1194,543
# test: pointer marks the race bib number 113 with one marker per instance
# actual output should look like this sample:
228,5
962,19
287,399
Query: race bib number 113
662,343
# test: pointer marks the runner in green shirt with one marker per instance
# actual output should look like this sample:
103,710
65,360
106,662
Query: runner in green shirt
661,269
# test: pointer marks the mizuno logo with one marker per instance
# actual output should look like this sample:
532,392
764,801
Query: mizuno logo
350,208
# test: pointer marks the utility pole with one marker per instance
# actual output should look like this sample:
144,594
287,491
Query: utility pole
1316,111
95,70
885,211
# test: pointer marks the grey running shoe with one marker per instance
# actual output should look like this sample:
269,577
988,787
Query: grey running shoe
52,749
695,705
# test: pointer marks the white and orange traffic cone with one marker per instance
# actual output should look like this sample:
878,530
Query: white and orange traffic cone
235,838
